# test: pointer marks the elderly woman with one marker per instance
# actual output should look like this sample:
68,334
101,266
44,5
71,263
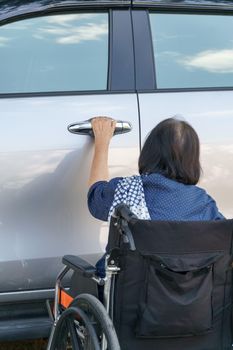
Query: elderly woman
169,169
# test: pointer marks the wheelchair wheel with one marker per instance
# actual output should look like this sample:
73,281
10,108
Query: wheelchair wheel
100,319
74,330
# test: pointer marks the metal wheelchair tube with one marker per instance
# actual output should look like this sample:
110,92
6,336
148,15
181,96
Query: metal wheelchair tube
57,290
111,271
123,211
56,301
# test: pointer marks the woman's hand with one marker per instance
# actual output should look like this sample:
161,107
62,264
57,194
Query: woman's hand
103,129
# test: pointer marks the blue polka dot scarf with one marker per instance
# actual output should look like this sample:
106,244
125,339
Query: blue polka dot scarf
130,191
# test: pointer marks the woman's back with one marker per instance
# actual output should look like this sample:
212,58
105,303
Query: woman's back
169,168
166,199
171,200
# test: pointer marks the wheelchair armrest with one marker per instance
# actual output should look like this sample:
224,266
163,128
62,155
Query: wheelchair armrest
76,263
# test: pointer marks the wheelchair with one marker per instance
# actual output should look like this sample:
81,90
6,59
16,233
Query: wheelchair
168,285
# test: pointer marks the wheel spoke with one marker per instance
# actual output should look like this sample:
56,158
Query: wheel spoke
74,338
85,325
100,320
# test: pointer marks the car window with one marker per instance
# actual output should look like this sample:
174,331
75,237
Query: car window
67,52
192,51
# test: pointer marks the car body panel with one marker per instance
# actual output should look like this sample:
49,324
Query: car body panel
43,181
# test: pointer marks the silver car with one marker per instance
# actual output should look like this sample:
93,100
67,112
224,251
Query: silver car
65,61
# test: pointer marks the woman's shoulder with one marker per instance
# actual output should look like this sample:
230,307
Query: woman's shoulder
210,208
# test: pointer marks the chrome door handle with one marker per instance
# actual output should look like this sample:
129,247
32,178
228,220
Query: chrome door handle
85,128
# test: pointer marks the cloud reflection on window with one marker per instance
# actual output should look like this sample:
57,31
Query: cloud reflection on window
213,61
74,35
192,50
3,41
34,58
64,20
63,29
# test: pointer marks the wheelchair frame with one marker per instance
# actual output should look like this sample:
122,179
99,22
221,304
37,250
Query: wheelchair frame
121,217
207,243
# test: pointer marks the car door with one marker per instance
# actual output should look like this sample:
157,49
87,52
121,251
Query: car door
59,65
189,75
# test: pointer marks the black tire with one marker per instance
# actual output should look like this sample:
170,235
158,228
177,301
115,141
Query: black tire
73,323
97,313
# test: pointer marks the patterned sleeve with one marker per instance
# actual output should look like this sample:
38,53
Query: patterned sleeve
100,197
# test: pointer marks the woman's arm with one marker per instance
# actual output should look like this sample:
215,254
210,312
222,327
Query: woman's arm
103,129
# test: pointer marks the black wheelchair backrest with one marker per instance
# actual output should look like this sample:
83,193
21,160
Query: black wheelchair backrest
174,290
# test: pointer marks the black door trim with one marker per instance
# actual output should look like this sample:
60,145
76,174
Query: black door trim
121,60
143,49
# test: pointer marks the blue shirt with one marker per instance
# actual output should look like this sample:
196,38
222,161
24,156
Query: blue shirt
166,199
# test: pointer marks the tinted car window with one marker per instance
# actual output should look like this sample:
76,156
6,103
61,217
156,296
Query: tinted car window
192,50
54,53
